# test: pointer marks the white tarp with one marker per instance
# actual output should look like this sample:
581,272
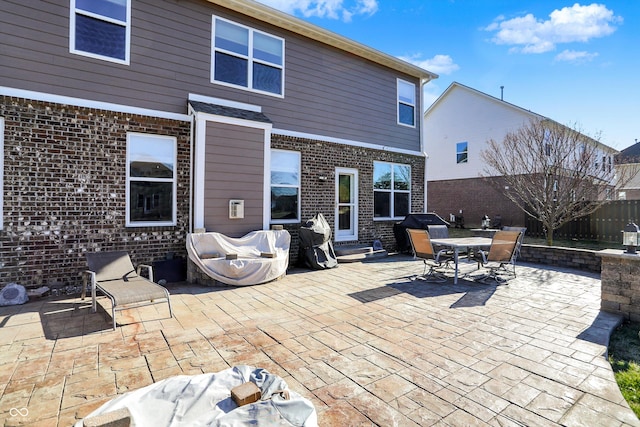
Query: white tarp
205,400
252,267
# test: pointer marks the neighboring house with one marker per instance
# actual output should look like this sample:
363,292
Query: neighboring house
629,158
127,124
457,126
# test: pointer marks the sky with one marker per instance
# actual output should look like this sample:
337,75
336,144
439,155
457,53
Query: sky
575,63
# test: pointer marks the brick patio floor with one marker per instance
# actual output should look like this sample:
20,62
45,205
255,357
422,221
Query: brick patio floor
363,342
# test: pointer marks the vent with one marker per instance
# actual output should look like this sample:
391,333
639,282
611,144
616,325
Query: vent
236,209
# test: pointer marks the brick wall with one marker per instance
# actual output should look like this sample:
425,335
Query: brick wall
64,190
320,158
476,197
619,284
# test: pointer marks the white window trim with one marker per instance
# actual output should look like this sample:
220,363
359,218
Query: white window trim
72,33
299,187
249,58
1,173
398,102
174,181
392,207
354,173
460,152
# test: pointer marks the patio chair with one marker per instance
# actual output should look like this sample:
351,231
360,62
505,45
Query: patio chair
113,274
503,246
516,253
423,249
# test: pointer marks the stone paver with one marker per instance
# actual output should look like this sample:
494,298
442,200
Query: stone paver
365,343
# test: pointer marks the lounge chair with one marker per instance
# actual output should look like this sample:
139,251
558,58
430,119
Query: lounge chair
423,249
503,246
113,274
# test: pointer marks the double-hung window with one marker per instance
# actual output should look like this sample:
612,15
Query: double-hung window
462,152
406,103
285,186
101,29
151,180
247,58
391,190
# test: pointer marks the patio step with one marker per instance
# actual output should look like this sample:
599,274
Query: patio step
358,253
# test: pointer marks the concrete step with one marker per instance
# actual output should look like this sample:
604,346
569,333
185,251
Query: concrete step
358,253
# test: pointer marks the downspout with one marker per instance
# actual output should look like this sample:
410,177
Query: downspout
191,156
423,145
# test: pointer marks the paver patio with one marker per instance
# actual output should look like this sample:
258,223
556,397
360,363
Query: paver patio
363,342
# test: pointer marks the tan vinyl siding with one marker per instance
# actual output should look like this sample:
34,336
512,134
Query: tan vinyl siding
234,167
328,92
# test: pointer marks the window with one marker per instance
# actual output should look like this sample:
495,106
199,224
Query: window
151,180
285,186
101,29
406,103
462,152
1,171
391,190
247,58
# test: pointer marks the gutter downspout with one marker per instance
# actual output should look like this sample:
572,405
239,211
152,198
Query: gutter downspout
192,113
423,145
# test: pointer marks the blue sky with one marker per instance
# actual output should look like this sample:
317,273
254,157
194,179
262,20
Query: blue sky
576,63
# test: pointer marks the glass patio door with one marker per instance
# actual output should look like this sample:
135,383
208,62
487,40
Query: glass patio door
346,204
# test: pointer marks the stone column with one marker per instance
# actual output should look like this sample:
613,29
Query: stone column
620,283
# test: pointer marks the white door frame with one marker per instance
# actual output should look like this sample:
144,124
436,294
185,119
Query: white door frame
352,234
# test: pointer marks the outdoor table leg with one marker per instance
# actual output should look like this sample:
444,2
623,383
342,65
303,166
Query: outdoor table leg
455,260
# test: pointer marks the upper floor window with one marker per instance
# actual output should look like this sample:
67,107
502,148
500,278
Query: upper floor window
247,58
406,103
391,190
101,29
151,180
285,186
462,152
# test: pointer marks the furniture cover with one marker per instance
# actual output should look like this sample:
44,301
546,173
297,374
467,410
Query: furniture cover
260,256
205,400
316,249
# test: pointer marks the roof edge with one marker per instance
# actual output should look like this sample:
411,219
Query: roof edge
291,23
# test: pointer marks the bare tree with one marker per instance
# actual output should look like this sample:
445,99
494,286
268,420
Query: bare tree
554,173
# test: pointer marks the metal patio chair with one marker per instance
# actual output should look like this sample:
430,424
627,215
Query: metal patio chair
503,246
434,261
113,274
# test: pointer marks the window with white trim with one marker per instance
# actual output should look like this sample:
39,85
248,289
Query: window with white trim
462,152
246,58
391,190
101,29
406,103
151,180
1,172
285,186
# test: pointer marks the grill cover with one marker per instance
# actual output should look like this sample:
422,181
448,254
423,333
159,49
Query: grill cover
316,249
421,221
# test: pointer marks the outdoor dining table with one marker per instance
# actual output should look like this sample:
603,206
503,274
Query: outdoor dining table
457,243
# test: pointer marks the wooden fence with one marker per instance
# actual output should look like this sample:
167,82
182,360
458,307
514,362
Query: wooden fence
603,225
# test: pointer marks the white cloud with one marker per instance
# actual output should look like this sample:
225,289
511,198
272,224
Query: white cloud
575,56
333,9
567,25
439,64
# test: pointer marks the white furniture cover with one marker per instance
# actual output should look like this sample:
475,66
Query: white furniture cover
252,267
205,400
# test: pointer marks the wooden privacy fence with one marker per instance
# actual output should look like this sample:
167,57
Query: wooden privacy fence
603,225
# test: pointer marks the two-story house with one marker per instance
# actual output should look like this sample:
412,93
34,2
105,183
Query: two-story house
126,124
457,127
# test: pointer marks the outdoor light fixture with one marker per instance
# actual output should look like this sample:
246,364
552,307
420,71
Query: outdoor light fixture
630,237
486,222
